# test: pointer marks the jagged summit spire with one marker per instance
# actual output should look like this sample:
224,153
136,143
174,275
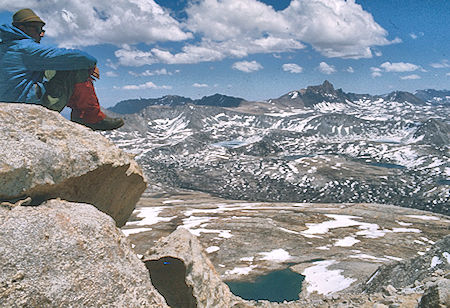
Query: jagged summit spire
326,83
325,87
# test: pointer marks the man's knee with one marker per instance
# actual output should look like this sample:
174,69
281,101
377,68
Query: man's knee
59,87
58,78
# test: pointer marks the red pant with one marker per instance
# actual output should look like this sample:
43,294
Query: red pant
84,103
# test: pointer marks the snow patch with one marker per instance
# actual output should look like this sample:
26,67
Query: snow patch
369,257
446,256
324,281
406,230
394,258
128,232
212,249
405,224
423,217
150,216
172,201
323,248
277,255
339,221
343,221
346,242
191,223
435,261
240,270
288,231
247,259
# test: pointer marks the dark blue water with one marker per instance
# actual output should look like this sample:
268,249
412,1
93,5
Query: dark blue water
390,166
276,286
443,182
229,144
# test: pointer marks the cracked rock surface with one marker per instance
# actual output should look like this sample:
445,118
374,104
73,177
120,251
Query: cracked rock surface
44,156
63,254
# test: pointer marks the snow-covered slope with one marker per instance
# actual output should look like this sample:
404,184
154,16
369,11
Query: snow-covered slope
348,148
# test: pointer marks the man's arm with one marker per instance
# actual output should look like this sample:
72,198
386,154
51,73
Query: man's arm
39,58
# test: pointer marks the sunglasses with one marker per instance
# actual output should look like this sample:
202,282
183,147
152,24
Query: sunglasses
38,29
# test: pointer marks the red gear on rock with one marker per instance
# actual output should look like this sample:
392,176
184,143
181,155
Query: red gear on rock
84,103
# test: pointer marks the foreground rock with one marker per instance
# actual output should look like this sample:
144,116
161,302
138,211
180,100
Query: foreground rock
44,156
404,273
182,255
63,254
428,268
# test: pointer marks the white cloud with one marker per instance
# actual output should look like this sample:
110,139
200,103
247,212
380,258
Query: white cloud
190,54
200,85
399,67
442,64
111,64
130,56
223,20
207,51
147,73
336,28
378,53
292,68
410,77
84,23
415,36
247,67
147,85
111,74
326,68
350,69
376,72
222,28
447,74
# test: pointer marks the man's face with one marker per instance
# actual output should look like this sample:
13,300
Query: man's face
34,29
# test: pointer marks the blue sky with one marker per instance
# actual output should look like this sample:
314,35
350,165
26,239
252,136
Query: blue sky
252,49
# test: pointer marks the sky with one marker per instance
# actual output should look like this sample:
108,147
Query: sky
253,49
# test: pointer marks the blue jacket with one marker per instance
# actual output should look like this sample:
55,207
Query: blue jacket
23,62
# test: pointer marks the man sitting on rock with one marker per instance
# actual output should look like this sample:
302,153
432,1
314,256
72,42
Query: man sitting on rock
48,76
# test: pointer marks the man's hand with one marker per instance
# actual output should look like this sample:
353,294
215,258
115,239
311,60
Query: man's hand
95,73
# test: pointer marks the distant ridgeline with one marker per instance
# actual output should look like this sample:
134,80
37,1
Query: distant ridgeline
136,105
308,97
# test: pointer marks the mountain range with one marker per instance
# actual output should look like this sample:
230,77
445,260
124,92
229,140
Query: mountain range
308,97
316,144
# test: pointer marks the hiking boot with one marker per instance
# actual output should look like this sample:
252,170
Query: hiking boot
105,124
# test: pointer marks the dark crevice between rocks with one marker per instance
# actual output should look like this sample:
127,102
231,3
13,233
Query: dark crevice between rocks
168,277
93,187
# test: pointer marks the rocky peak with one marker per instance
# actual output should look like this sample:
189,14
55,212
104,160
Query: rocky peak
402,97
219,100
434,131
438,97
325,87
323,93
135,105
